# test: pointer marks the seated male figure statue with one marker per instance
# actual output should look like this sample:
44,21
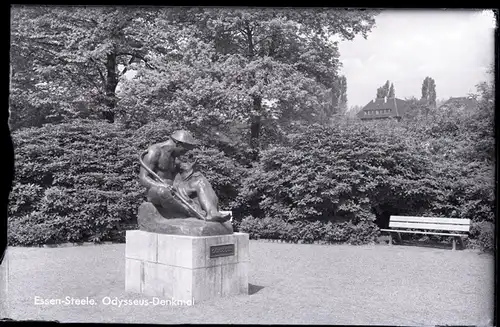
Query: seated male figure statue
163,160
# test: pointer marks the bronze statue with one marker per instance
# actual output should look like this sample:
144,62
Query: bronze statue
174,189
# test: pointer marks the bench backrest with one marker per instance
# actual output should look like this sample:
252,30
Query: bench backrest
430,223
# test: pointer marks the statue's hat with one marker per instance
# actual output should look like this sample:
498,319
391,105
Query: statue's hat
184,137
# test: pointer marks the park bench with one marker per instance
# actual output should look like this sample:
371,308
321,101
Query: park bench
456,228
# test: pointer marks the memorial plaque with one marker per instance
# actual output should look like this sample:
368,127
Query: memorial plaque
224,250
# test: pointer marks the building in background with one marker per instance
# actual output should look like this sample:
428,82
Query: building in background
460,103
383,108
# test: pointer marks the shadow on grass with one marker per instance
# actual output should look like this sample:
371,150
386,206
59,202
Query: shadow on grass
252,289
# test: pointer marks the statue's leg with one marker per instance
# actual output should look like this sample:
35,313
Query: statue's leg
166,205
208,200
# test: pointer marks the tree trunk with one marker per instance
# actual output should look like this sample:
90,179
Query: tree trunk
255,126
255,123
110,88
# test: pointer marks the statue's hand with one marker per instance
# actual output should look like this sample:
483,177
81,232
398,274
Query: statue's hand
163,192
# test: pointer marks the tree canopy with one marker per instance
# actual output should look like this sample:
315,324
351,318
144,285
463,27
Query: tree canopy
202,67
429,91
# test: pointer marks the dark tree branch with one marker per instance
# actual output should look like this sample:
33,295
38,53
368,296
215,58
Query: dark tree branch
101,74
126,67
122,53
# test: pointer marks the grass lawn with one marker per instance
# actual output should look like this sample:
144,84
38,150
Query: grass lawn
289,284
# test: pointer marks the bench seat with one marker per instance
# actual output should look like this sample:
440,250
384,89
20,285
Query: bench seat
419,232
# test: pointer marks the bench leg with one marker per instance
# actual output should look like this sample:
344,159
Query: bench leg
400,240
454,243
390,239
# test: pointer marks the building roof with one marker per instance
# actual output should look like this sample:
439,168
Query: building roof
383,108
460,103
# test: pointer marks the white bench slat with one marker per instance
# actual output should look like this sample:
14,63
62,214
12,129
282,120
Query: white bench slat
450,221
411,225
416,232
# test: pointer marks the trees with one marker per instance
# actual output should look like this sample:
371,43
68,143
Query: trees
386,90
383,91
342,95
392,92
429,91
337,97
248,65
415,108
203,67
65,59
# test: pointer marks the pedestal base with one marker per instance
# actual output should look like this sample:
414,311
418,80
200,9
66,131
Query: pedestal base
186,268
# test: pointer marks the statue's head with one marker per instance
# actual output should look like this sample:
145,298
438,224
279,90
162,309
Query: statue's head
184,141
187,167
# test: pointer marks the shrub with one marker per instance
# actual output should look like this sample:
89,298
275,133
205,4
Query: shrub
24,198
250,225
363,233
80,180
73,182
483,236
337,174
309,232
487,237
30,229
358,171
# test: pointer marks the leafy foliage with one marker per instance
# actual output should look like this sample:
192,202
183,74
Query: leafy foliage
439,164
384,90
392,92
338,172
245,66
78,179
65,60
242,80
78,182
309,232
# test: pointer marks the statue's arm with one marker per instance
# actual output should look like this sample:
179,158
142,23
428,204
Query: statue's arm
150,160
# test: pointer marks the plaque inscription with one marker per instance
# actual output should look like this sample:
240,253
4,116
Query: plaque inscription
224,250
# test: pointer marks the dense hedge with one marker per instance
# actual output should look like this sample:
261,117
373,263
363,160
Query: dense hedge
309,232
73,182
347,173
337,183
363,172
79,182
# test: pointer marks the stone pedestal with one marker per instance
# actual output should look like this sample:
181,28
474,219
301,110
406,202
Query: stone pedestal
186,268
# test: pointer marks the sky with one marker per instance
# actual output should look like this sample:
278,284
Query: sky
453,47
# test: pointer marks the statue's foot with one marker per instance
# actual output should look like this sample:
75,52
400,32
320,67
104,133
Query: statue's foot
219,217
